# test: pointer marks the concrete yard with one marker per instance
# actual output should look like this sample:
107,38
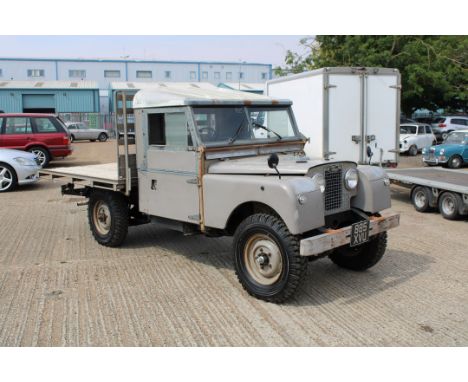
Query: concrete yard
58,287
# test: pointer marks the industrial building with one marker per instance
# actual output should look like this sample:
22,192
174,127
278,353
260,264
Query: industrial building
49,97
104,72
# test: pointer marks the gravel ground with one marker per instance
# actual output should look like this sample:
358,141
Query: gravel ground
58,287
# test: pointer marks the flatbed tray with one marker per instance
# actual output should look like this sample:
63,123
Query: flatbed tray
447,179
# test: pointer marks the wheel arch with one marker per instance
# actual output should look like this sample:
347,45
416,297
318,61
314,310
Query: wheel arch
246,209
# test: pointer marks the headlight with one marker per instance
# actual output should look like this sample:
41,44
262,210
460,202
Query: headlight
319,181
25,161
442,152
405,141
351,179
424,151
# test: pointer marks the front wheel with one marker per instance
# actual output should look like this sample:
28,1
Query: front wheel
413,151
108,217
455,161
361,257
102,137
267,259
8,178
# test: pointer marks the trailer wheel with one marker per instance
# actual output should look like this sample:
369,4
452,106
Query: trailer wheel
420,196
108,217
363,256
267,259
449,205
455,161
413,150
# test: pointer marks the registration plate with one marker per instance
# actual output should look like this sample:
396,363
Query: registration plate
359,233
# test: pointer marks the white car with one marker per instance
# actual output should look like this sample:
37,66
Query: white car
80,131
17,168
414,137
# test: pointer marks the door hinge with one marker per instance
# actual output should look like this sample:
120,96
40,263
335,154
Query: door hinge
329,86
370,138
395,87
192,181
356,138
194,217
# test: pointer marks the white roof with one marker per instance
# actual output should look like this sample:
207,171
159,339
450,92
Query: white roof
153,84
180,95
49,85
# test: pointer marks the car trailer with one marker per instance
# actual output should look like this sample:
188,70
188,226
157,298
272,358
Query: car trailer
433,188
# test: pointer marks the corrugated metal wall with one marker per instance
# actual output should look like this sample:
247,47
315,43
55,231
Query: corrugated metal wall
66,101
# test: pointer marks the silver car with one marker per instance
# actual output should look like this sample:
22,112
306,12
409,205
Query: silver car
17,168
80,131
444,125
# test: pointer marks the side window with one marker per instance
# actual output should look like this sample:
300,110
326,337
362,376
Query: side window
44,125
1,125
168,129
458,121
18,125
421,130
428,130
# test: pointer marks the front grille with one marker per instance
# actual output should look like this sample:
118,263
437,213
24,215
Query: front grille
333,188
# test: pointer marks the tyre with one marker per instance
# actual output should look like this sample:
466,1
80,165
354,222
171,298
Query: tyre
108,217
449,205
455,161
420,197
72,138
413,151
42,154
8,178
361,257
266,258
102,137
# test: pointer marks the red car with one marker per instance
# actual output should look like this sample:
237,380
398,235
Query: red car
41,134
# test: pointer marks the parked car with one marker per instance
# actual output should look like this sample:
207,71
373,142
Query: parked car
42,134
452,153
415,136
444,125
17,168
80,131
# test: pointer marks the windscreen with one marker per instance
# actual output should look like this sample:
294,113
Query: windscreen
408,129
226,125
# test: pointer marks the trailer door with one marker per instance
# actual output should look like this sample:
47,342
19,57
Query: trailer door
382,117
342,133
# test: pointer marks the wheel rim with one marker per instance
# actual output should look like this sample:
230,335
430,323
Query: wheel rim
102,137
448,205
41,156
456,162
420,199
102,218
6,178
263,259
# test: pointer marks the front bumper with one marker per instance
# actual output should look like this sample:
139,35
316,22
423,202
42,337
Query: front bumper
28,176
316,245
434,160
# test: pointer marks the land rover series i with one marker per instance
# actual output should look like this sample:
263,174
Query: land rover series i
221,162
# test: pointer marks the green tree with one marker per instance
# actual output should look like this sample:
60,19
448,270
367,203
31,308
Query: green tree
434,69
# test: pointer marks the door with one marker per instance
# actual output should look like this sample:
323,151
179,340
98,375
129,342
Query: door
381,116
342,135
16,132
168,166
421,137
38,103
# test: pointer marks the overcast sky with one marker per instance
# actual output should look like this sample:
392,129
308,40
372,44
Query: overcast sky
260,49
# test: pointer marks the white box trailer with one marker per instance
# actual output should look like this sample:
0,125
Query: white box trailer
346,112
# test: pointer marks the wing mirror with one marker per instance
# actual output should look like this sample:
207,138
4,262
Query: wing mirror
273,161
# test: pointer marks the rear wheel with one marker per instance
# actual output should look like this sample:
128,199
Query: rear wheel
455,161
72,138
413,151
267,259
361,257
449,205
420,198
108,217
8,178
102,137
42,155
